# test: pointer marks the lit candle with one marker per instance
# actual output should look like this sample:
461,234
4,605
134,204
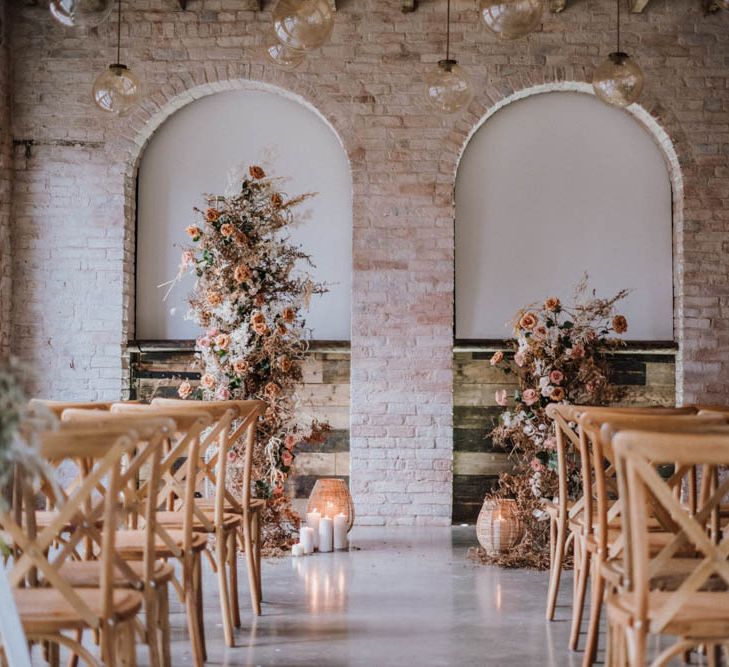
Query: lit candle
312,520
326,532
340,531
307,539
297,549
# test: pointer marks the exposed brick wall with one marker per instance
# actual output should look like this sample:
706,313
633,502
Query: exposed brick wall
6,187
74,195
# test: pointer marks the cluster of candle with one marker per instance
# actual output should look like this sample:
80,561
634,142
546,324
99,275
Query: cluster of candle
322,533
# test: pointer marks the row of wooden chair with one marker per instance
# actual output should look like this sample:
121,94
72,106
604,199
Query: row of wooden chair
122,493
601,530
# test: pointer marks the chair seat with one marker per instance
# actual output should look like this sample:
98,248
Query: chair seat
704,614
46,610
44,518
87,573
230,521
257,504
130,543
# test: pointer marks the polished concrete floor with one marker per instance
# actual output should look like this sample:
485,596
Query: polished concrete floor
399,597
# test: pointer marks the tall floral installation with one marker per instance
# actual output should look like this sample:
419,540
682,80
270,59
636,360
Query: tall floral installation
558,357
250,295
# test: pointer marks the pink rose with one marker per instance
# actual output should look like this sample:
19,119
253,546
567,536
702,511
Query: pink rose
278,489
540,332
550,443
501,397
530,396
204,342
290,441
223,394
184,390
232,456
519,358
208,381
578,351
497,358
222,341
286,457
536,465
556,376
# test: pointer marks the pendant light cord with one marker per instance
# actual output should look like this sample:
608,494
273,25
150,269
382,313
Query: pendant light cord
448,31
118,33
618,1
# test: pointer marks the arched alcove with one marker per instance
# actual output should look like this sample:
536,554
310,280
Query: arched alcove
197,150
550,186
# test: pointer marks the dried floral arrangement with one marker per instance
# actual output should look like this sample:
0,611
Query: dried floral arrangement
250,296
559,356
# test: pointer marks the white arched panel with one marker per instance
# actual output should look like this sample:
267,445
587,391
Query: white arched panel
550,187
196,151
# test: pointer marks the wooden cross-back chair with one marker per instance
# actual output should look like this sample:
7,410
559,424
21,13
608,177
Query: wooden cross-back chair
601,538
47,603
563,511
57,407
239,502
177,477
696,612
150,575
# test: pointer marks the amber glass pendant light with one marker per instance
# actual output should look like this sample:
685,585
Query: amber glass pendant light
303,25
80,13
511,19
448,88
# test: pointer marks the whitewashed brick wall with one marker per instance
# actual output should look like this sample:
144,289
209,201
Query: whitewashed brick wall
74,193
6,184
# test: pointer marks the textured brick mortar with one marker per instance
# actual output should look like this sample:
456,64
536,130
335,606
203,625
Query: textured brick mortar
73,201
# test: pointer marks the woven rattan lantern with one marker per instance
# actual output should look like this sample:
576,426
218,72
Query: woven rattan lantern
499,527
331,496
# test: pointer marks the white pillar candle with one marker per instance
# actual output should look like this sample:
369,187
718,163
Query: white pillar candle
297,549
312,520
326,534
340,531
307,539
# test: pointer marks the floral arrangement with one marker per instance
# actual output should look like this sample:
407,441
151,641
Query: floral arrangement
559,356
250,295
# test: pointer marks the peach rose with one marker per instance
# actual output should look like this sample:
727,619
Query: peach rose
208,381
578,352
284,363
620,324
281,328
278,489
223,394
214,299
211,215
272,390
258,318
256,172
286,457
276,200
501,398
260,329
184,390
497,358
557,394
540,332
242,273
288,314
519,358
552,303
227,229
290,441
530,396
194,232
259,300
222,341
556,376
528,321
241,366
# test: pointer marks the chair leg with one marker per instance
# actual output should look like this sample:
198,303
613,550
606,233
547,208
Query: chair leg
251,565
259,576
579,597
233,573
151,625
73,658
193,618
197,574
555,574
221,557
596,597
163,624
126,645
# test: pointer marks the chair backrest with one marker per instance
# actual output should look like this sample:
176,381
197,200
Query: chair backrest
57,407
243,425
637,454
83,508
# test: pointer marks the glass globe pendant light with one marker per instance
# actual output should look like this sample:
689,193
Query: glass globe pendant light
511,19
117,89
448,88
303,25
619,80
283,56
80,13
